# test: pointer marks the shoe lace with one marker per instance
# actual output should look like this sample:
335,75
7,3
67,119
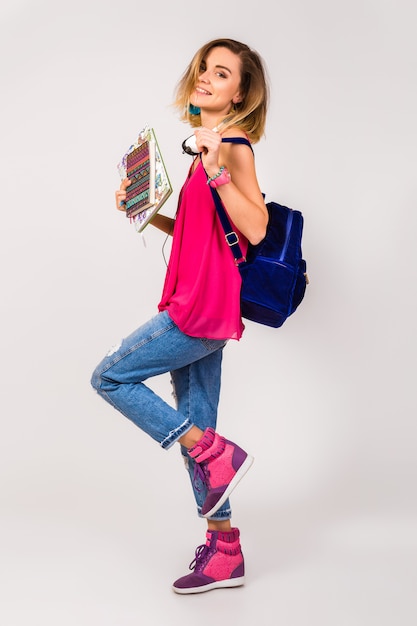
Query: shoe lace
201,553
200,473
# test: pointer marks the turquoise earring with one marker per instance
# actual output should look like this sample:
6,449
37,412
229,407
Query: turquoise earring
193,110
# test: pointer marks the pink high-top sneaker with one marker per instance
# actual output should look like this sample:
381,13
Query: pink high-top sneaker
217,563
222,464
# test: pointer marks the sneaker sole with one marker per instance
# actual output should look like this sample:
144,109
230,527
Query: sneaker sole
233,483
219,584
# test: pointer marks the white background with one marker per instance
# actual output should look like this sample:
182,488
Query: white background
96,520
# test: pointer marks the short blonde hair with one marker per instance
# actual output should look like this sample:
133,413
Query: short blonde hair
250,114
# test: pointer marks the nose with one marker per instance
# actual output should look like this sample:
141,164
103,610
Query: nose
204,76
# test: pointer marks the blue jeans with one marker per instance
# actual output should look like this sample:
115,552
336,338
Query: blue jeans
156,348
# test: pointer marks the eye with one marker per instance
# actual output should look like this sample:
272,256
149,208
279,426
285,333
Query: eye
221,74
202,67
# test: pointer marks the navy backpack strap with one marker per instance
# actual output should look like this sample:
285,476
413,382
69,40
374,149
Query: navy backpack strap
230,235
241,140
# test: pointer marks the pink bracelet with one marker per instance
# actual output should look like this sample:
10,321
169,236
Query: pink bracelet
222,178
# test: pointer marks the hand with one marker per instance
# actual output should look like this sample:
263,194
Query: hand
208,143
121,195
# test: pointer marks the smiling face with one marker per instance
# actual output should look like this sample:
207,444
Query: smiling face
218,84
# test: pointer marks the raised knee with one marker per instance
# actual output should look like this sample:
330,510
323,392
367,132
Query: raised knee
96,380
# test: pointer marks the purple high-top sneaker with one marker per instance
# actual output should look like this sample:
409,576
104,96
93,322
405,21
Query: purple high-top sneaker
217,563
222,465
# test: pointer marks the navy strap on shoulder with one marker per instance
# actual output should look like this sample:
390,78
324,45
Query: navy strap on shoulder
230,235
241,140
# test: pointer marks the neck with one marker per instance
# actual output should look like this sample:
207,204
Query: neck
211,121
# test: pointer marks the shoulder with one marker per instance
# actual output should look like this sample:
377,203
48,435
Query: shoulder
236,140
235,131
240,152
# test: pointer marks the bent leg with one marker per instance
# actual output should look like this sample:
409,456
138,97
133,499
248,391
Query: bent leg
155,348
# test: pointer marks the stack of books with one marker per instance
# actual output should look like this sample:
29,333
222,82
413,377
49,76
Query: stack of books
150,185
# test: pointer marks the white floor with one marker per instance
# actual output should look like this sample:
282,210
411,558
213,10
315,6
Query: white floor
94,550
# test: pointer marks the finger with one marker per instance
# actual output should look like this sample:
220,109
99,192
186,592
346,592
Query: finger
120,194
208,138
202,142
125,183
120,197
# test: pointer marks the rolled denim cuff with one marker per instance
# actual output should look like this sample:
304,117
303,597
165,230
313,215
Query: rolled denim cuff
176,434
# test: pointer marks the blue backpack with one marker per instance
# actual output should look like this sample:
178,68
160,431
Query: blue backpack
274,276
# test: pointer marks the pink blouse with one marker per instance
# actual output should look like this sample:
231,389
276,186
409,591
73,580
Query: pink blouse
202,285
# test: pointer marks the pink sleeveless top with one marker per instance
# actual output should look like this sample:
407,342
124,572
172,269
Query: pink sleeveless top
202,285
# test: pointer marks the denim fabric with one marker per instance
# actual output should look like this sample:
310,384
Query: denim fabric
156,348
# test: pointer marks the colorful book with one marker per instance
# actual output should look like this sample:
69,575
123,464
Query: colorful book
150,185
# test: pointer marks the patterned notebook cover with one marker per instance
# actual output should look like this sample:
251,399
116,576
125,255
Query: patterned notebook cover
140,194
150,186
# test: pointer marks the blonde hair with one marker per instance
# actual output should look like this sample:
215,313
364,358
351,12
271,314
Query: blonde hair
250,114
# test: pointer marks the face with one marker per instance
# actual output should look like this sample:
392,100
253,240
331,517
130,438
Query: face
217,87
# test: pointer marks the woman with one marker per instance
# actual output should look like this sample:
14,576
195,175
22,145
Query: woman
223,94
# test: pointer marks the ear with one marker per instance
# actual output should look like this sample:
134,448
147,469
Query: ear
237,99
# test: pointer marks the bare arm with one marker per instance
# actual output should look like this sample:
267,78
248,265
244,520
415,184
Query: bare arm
163,222
242,197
